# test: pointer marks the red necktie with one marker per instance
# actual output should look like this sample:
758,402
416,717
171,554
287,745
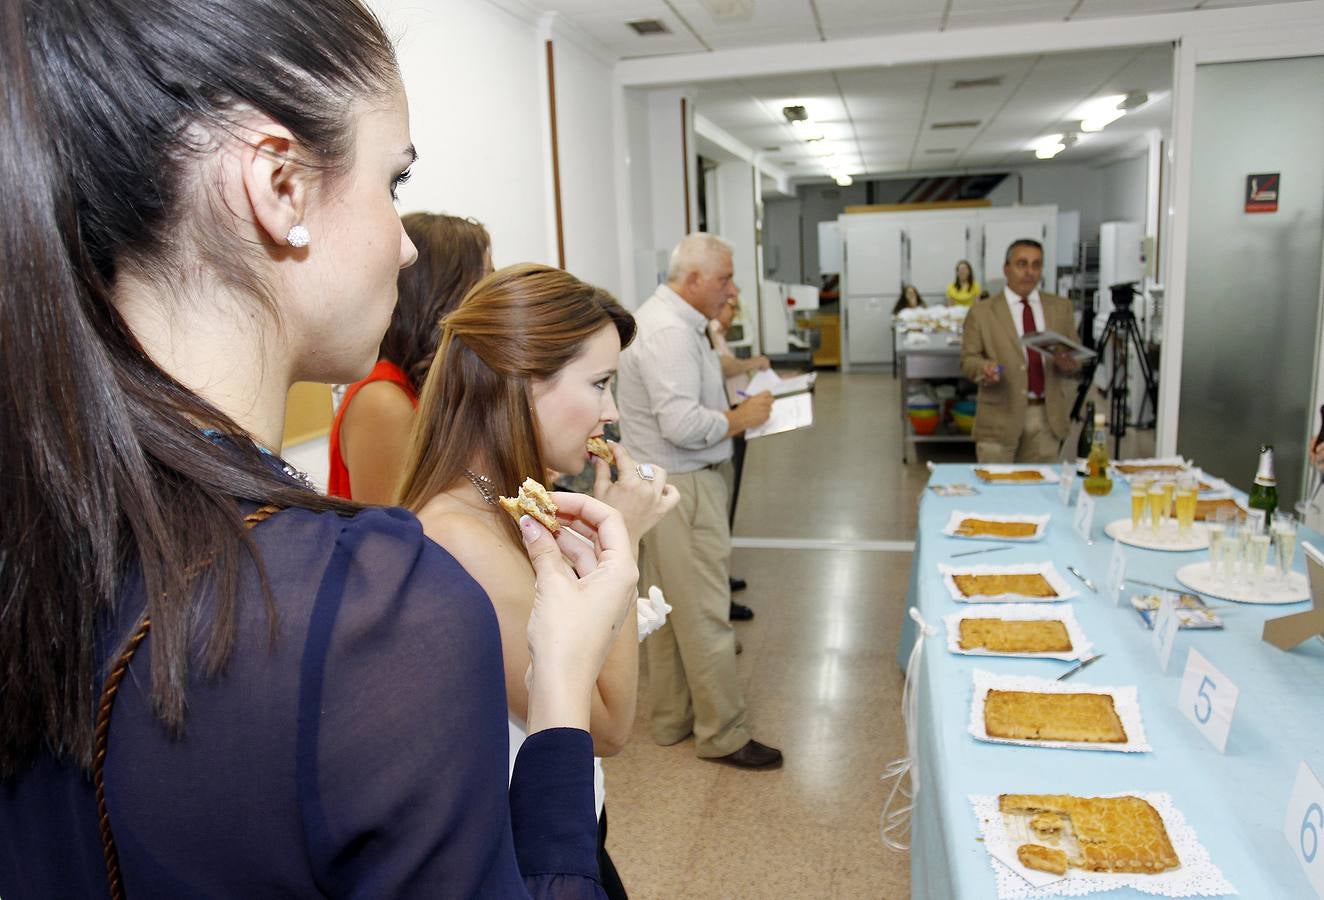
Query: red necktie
1036,385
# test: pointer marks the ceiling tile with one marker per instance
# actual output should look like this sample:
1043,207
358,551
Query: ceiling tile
1095,9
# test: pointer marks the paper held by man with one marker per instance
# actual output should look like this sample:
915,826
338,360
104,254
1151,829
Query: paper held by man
794,404
1049,343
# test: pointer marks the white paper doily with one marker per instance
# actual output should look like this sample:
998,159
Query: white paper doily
1080,644
1169,537
1041,523
1181,461
1269,592
1197,876
1125,702
1046,475
1046,569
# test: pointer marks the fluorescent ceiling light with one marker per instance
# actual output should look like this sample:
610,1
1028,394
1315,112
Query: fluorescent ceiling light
1048,146
844,180
1097,114
807,130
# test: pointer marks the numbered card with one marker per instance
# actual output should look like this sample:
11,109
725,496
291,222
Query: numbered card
1065,479
1083,521
1165,629
1116,573
1304,826
1208,698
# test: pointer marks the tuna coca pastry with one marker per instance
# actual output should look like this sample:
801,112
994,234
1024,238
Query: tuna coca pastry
533,500
1033,716
1023,584
1015,635
1113,834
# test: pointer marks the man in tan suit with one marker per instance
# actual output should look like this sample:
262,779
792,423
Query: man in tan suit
1023,398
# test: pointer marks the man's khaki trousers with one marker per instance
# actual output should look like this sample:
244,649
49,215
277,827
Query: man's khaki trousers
692,658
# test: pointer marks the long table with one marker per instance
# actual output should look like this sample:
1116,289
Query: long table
1235,801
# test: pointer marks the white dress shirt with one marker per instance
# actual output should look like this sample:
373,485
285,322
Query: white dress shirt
670,390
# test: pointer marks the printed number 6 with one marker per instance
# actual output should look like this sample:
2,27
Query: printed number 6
1203,717
1307,828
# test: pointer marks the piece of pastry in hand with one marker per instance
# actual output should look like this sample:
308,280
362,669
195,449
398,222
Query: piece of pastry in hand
601,449
1044,859
533,500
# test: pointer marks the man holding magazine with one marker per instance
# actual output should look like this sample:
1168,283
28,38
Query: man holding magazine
1024,394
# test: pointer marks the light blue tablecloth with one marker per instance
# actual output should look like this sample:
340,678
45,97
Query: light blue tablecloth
1235,802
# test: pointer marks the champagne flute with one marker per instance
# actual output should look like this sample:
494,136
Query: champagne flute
1284,539
1156,506
1187,489
1257,554
1139,499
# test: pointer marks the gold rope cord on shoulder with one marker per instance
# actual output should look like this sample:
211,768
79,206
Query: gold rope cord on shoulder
102,734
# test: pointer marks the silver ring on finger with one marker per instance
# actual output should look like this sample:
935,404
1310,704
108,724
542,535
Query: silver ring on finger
646,471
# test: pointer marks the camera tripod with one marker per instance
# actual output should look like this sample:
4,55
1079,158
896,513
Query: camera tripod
1120,334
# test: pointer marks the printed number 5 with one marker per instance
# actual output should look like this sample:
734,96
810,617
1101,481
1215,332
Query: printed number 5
1307,828
1203,717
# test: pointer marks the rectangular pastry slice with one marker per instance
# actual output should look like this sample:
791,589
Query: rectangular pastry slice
1017,475
1024,584
1031,716
990,528
1115,834
1045,859
1015,635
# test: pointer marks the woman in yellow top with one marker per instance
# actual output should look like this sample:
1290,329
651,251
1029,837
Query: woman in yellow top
964,290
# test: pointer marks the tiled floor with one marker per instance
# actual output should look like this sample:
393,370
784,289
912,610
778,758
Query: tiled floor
819,675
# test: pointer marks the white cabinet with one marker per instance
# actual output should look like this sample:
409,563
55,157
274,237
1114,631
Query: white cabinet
869,329
999,234
873,257
933,250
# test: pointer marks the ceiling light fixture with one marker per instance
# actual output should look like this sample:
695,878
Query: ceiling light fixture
843,180
1098,114
1048,146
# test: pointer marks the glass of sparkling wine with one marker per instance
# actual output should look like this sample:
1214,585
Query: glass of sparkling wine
1217,529
1229,549
1187,490
1257,554
1284,540
1157,505
1169,491
1139,499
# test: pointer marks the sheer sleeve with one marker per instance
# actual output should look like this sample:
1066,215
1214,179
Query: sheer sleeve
402,740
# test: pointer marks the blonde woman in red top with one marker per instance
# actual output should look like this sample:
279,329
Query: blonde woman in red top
370,432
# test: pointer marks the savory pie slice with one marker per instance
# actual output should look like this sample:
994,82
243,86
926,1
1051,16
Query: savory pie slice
1015,635
1045,859
1023,584
1114,834
1205,510
1033,716
1017,475
1148,468
991,528
1046,824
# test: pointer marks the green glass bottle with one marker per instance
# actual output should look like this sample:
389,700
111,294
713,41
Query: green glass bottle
1263,498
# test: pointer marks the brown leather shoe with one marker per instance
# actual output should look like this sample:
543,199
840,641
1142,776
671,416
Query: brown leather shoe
752,756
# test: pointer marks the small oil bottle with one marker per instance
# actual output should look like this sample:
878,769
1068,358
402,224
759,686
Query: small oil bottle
1097,482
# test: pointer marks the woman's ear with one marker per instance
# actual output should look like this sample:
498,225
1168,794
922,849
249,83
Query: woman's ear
277,186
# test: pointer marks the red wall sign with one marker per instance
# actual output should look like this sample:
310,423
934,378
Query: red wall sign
1262,193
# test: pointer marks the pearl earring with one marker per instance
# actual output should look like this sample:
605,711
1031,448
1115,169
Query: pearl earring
298,236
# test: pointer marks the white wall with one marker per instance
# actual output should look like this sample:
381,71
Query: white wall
586,139
1124,189
475,74
735,202
471,71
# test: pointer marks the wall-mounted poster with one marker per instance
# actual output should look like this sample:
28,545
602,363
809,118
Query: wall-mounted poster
1262,193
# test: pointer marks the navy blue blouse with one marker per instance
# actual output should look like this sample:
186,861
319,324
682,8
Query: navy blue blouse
362,754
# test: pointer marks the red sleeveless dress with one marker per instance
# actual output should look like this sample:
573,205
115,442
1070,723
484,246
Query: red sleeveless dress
338,474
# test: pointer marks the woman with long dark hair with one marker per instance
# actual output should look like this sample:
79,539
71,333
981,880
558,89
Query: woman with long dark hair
215,682
371,427
521,381
964,289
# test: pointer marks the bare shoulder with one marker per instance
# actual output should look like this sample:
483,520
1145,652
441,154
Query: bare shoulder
380,402
478,544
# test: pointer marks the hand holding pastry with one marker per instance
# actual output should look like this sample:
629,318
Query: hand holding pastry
585,583
640,492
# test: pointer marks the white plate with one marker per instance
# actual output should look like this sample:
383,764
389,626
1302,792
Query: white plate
1081,648
1047,475
1125,702
1046,569
1168,537
1041,523
1270,591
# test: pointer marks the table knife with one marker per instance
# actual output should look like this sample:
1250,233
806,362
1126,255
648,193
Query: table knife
1089,584
1078,666
985,550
